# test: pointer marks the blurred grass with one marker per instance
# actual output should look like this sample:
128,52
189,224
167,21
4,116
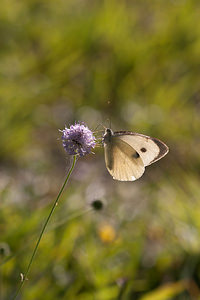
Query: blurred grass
136,63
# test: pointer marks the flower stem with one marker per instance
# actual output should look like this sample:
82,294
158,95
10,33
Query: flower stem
43,229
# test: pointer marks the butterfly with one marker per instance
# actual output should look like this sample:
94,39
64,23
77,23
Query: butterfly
128,153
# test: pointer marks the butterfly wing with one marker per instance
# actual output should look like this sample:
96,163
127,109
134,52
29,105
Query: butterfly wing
150,149
122,161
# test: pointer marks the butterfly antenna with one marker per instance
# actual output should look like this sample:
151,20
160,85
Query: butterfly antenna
100,124
108,121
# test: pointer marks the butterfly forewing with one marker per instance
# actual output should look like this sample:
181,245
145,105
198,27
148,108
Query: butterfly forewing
122,161
149,149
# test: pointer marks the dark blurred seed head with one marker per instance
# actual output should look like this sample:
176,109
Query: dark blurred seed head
97,204
4,249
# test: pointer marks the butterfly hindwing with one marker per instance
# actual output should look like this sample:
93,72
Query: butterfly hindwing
122,160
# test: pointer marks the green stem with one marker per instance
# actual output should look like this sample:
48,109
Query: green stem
43,229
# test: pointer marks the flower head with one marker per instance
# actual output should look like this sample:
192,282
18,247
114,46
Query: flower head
107,233
78,139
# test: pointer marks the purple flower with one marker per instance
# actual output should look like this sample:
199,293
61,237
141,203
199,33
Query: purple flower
78,139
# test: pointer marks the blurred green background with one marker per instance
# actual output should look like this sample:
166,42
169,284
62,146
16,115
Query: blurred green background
136,63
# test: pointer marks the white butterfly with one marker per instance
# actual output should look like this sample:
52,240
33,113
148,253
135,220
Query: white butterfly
128,153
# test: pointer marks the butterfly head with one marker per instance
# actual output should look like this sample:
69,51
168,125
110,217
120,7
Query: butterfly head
107,136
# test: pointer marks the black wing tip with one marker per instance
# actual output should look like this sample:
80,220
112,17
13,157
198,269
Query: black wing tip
164,149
